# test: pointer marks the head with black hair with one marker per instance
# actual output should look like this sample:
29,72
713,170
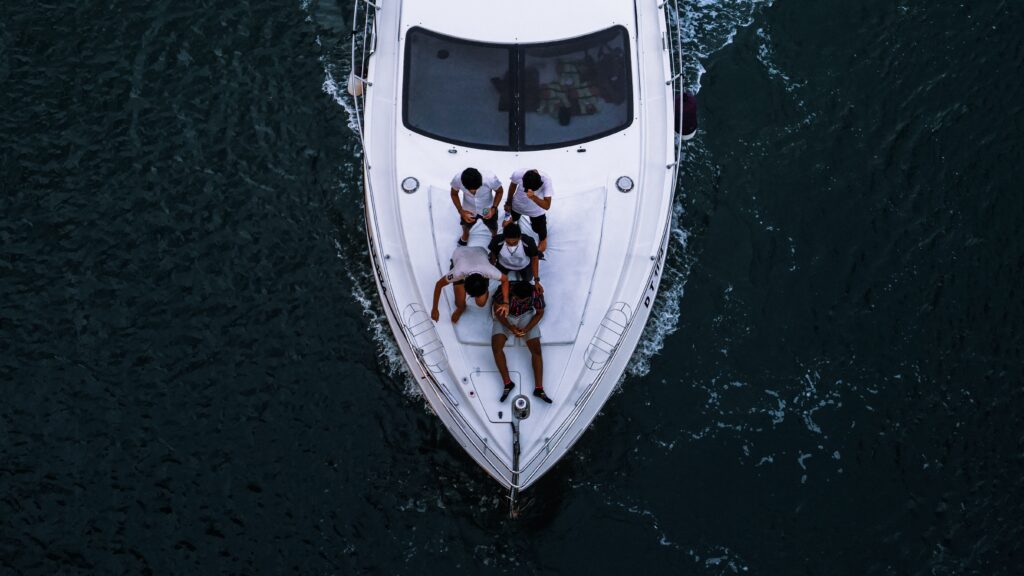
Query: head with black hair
532,180
512,232
522,290
476,285
472,179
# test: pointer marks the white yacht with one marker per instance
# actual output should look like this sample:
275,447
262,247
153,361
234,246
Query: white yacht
585,93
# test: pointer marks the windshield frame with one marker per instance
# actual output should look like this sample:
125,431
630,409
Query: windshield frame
516,113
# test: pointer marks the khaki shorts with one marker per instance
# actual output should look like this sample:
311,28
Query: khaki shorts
519,322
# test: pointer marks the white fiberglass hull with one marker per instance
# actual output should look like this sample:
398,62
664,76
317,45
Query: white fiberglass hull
606,253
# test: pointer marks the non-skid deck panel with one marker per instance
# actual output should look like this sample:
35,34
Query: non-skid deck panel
575,225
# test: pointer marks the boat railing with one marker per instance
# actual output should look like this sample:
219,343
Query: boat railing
423,337
674,45
606,340
363,45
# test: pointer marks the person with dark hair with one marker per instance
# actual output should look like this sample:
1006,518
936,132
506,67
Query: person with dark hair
513,251
481,194
524,313
468,273
529,195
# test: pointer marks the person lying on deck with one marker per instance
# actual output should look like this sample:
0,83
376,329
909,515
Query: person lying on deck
523,314
469,271
529,195
481,194
513,251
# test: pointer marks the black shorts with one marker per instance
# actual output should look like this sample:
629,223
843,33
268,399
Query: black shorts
538,223
525,275
491,223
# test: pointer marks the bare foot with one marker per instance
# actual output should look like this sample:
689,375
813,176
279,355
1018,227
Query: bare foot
458,313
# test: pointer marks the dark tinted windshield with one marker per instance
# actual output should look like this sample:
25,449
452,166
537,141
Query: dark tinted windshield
517,97
450,89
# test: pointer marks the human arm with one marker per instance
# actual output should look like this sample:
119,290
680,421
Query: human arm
535,267
441,283
493,248
503,318
501,310
464,214
532,323
498,193
544,203
512,187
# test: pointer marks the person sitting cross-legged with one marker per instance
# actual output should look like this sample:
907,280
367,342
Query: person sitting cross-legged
513,251
525,311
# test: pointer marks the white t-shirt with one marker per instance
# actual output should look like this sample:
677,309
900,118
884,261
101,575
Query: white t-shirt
484,197
522,204
468,260
514,257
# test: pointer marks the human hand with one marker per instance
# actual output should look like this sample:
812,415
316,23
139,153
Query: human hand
540,289
501,310
435,315
530,194
468,216
518,332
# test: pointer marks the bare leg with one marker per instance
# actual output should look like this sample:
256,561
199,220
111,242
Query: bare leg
498,348
460,302
537,361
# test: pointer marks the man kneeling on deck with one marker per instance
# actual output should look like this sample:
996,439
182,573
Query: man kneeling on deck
511,251
468,272
523,314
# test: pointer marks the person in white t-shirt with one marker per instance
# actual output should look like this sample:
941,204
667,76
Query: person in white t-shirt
481,194
529,195
468,273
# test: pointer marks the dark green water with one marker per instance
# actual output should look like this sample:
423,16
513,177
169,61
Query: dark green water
196,378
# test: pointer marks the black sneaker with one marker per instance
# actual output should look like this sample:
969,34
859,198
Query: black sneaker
509,386
539,393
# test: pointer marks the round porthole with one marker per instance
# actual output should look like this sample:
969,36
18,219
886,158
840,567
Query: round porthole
410,185
624,183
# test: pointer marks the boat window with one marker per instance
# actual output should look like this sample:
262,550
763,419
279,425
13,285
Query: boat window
452,89
517,97
576,90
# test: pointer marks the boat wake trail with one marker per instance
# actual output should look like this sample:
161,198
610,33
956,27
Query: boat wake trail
706,26
330,21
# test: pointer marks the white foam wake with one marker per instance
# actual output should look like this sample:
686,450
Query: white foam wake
705,26
360,277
